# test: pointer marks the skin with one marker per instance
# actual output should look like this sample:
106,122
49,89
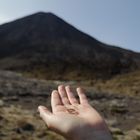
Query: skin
72,118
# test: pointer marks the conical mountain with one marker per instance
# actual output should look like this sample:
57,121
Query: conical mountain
45,45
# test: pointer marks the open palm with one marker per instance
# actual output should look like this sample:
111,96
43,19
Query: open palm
72,118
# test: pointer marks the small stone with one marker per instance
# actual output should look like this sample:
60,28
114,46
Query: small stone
1,118
25,127
1,103
117,107
28,127
116,131
112,123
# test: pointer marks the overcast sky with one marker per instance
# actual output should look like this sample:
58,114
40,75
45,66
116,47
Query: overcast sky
115,22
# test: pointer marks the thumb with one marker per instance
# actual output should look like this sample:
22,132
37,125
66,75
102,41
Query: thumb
52,121
43,109
45,114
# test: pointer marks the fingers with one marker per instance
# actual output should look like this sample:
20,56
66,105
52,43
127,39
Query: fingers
55,100
63,95
71,96
82,96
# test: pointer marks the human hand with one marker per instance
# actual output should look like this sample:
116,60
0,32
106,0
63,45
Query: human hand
72,119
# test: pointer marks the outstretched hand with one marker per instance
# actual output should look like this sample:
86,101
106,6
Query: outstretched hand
75,120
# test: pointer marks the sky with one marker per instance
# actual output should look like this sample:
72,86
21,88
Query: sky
115,22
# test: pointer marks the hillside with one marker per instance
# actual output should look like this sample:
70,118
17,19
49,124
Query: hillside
128,84
45,46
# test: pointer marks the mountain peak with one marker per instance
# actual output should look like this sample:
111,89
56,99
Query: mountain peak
45,19
43,14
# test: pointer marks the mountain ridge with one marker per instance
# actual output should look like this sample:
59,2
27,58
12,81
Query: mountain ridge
44,42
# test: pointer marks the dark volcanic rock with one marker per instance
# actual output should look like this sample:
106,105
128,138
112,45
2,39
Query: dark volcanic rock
44,44
13,84
25,127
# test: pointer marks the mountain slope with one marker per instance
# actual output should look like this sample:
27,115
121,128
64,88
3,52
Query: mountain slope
45,45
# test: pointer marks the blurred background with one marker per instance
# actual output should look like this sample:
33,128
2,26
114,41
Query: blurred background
93,44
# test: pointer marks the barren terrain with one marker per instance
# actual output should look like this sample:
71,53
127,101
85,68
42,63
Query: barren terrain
19,98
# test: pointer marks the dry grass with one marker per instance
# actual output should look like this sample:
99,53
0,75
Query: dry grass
125,84
19,124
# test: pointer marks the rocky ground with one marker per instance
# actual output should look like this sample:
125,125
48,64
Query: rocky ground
20,96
